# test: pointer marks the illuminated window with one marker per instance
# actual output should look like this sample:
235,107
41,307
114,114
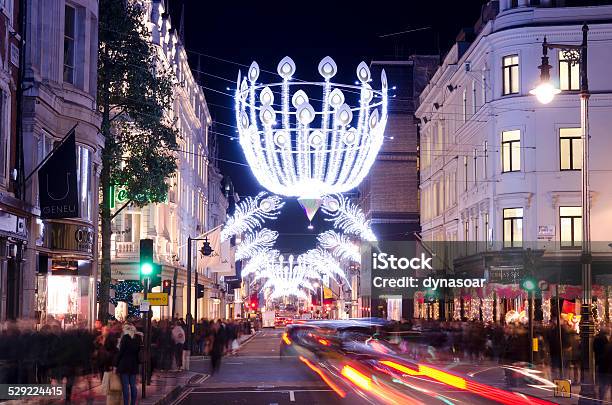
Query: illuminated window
513,227
511,151
570,221
510,74
569,73
570,148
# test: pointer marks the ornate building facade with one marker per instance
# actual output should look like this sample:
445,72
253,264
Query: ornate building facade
185,213
501,172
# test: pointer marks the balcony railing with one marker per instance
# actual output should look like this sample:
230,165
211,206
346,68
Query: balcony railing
126,249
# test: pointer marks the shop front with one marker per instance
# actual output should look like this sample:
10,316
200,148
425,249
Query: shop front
12,244
65,285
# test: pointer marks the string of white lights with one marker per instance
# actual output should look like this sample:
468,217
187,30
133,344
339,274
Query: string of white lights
255,243
251,213
347,217
340,246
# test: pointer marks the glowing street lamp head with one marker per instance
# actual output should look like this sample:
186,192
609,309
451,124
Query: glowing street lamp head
301,146
545,92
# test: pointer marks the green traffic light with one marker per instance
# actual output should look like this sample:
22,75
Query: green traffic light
146,268
529,285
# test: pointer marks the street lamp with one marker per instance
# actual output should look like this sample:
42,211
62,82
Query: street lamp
545,92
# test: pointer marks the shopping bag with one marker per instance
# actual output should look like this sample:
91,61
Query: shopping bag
105,382
235,345
113,382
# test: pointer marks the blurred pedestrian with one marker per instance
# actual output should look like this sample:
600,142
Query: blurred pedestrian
178,339
604,369
127,363
217,345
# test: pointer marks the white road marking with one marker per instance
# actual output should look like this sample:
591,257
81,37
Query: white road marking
291,396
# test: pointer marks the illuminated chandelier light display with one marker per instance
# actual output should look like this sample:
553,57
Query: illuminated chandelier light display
292,277
307,147
340,246
258,262
251,213
255,243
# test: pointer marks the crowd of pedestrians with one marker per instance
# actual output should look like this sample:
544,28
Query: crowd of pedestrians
52,353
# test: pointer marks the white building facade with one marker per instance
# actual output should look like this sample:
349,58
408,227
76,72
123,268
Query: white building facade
185,212
499,168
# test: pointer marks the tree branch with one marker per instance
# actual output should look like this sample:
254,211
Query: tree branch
120,209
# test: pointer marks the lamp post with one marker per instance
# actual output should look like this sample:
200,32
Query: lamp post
545,92
206,251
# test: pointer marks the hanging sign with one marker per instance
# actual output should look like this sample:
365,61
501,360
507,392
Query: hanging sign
57,182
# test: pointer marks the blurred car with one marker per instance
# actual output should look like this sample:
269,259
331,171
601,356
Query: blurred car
279,321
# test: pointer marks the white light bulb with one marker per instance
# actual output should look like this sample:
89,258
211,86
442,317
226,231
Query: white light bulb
545,92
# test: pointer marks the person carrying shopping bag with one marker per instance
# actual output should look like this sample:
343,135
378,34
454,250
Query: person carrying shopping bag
127,362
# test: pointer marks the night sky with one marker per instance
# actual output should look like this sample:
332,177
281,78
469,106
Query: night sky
266,31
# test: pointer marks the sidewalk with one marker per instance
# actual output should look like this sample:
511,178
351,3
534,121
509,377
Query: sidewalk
164,388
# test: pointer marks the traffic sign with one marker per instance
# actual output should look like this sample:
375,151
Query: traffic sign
144,306
562,388
158,299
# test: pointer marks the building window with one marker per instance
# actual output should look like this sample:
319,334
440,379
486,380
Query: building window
69,39
465,173
570,148
3,137
511,74
511,151
513,227
570,221
569,73
485,160
84,175
131,227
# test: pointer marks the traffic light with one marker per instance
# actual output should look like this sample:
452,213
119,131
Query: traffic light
199,291
167,286
146,258
206,248
529,284
148,269
253,302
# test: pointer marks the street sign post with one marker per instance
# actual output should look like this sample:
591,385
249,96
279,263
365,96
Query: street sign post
158,299
145,306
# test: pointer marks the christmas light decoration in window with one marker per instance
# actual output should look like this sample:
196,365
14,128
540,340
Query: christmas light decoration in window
310,138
